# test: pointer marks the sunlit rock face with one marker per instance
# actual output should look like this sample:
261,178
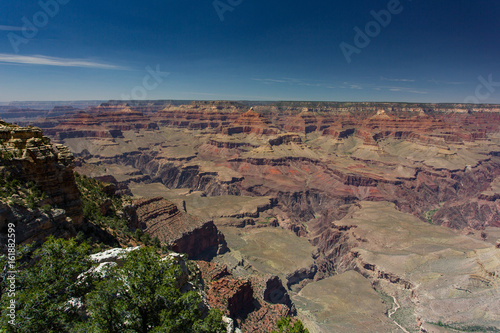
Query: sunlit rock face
28,156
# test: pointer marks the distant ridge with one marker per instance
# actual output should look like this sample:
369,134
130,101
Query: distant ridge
48,105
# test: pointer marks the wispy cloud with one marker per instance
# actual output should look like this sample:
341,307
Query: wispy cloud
270,81
11,28
54,61
290,81
446,82
351,85
402,89
396,80
347,85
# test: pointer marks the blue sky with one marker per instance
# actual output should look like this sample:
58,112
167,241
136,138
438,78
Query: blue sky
428,51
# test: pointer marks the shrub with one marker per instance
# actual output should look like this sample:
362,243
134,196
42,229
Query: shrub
285,325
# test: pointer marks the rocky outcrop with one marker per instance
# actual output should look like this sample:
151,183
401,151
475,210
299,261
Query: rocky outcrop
105,123
251,122
301,277
185,234
236,294
471,213
33,225
255,304
114,186
112,255
29,156
202,242
275,293
199,115
284,139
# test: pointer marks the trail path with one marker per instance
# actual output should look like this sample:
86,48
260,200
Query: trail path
393,311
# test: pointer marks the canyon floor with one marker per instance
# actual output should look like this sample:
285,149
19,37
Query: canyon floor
385,220
432,272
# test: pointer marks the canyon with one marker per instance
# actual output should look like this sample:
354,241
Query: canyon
361,215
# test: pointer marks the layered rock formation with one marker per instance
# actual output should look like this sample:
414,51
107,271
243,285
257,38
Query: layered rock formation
414,155
426,161
256,304
251,122
28,157
100,122
434,273
199,115
50,167
184,233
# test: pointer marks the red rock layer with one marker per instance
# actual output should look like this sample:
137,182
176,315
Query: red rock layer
433,126
198,116
251,122
254,303
104,124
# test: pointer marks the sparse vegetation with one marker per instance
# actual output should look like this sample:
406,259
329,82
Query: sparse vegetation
24,194
104,210
386,299
94,196
468,328
405,316
429,214
6,155
287,325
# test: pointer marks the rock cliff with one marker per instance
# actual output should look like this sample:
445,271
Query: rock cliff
184,233
256,304
36,173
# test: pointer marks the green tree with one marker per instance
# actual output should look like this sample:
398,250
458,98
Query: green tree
285,325
143,295
44,288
